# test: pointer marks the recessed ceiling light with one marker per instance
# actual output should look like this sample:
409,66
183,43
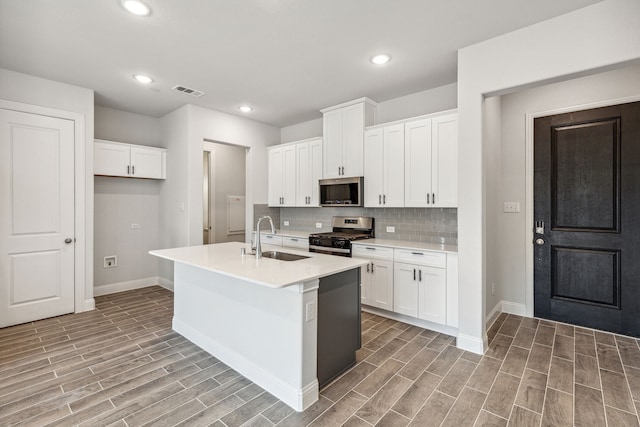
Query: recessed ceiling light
381,59
142,78
136,7
245,109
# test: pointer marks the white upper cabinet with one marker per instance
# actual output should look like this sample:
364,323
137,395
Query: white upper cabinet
294,171
444,151
128,160
431,162
343,137
282,176
308,172
384,166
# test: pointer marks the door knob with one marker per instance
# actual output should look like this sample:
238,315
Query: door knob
539,241
68,240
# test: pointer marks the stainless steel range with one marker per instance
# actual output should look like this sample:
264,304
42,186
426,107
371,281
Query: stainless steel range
345,230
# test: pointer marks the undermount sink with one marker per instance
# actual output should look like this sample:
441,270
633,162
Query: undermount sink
282,256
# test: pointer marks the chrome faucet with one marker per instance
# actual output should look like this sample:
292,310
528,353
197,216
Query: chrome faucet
258,245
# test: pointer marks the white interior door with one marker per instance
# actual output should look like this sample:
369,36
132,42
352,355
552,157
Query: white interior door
36,217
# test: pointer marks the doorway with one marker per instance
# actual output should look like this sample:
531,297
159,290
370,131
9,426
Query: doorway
223,192
586,204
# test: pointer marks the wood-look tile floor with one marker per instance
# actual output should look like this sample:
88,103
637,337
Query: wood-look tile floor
122,365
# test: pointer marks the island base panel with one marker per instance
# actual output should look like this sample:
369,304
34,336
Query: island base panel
338,324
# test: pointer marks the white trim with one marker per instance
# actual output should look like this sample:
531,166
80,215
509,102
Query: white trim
364,100
529,220
298,398
165,283
129,285
472,344
514,308
493,314
83,164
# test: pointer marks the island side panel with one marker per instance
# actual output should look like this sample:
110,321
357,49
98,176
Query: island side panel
259,331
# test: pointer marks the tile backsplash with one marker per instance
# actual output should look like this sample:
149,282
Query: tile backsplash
431,225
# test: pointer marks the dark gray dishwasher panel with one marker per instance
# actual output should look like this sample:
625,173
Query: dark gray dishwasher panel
338,324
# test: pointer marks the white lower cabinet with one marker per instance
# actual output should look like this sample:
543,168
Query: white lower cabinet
417,283
376,276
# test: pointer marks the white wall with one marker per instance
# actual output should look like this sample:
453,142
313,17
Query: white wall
120,202
492,129
416,104
507,257
22,88
183,133
602,36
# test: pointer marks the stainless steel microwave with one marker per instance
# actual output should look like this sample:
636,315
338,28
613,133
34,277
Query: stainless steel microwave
341,191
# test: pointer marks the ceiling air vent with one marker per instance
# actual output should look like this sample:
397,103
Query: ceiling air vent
188,91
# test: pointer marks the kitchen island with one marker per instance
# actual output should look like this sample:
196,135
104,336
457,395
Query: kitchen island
264,317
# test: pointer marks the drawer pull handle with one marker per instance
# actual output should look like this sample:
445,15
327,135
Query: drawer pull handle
371,249
417,253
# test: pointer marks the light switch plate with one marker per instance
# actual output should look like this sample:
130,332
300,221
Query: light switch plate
511,207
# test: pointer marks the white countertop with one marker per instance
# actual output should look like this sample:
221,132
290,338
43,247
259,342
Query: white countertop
404,244
225,258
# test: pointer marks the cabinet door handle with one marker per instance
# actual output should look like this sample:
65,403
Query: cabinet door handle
384,199
379,199
128,169
433,198
419,275
338,170
133,170
414,274
342,170
427,198
371,267
368,265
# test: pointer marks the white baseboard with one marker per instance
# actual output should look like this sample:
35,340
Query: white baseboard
472,344
505,307
165,283
112,288
514,308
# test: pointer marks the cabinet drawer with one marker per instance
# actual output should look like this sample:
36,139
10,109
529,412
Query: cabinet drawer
372,252
270,239
296,242
426,258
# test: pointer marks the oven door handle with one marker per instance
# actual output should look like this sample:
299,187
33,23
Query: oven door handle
329,249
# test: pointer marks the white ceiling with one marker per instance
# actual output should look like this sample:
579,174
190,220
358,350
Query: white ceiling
286,58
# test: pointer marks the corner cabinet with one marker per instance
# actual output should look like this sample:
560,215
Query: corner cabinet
431,162
294,171
129,160
343,137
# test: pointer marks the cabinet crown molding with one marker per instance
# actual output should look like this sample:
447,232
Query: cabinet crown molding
364,100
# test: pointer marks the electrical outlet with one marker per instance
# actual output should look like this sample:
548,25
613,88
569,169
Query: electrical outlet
286,223
511,207
391,229
310,311
318,225
135,225
110,261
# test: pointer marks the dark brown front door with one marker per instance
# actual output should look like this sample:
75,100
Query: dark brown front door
587,218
